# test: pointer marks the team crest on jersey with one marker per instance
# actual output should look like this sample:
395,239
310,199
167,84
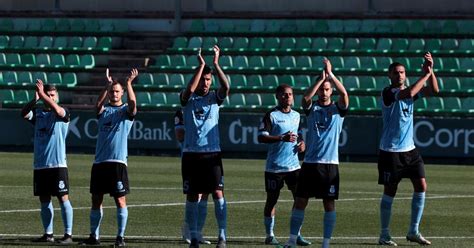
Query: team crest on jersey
332,189
119,185
61,184
176,120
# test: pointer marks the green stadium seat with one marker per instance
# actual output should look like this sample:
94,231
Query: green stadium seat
368,26
368,62
417,27
225,42
90,25
21,96
256,62
87,61
384,26
288,43
42,60
317,62
3,59
319,43
450,64
6,96
304,26
57,60
143,98
6,25
467,84
225,61
60,42
241,43
449,27
353,102
303,43
420,105
70,79
4,40
432,45
336,61
242,26
268,100
467,63
256,43
384,44
237,100
13,59
63,25
351,43
39,75
209,42
270,81
367,83
416,62
24,78
10,78
381,82
335,26
163,60
253,100
271,62
177,80
106,25
433,27
172,99
55,78
74,43
180,42
179,60
271,43
466,44
254,81
451,103
158,99
303,62
449,44
238,81
320,26
211,26
241,62
302,82
351,63
351,83
434,103
400,27
16,41
197,25
160,79
48,25
104,43
288,26
27,59
30,42
286,79
417,45
257,26
288,62
468,104
192,61
449,84
367,43
145,79
72,60
89,43
272,26
33,25
399,44
226,26
45,42
352,26
368,103
335,43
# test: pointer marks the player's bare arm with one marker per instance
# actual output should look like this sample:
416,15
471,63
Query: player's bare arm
193,84
223,90
311,91
99,106
47,100
343,96
131,98
432,88
414,89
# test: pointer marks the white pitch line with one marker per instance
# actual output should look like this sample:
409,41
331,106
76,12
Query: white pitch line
148,237
232,202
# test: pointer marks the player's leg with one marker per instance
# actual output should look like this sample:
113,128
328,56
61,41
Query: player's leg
191,216
47,215
44,185
296,221
329,220
122,217
269,216
96,215
417,206
202,215
67,217
291,181
220,210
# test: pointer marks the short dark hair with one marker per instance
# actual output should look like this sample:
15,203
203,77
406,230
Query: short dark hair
393,65
281,88
115,82
49,87
206,70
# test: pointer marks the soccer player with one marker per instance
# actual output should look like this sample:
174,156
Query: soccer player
280,129
202,202
50,176
319,175
201,159
398,157
109,171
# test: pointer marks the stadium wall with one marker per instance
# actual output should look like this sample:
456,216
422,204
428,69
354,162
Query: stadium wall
435,137
430,7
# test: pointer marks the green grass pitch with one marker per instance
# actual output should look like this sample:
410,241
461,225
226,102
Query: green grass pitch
156,205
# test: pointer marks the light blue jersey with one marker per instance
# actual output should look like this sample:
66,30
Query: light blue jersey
201,119
324,128
281,156
114,126
397,132
50,138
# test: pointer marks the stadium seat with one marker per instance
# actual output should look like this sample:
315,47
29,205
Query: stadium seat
78,25
302,82
257,26
256,43
367,43
255,62
304,26
160,79
60,42
225,61
271,43
466,44
177,80
399,44
384,44
4,40
319,43
39,75
254,81
434,104
467,84
367,103
172,99
432,45
70,79
145,79
57,60
270,81
351,43
416,45
225,42
87,61
367,83
288,62
467,63
468,104
400,27
433,27
450,64
416,27
13,59
195,42
303,43
268,100
272,26
303,62
48,25
335,26
31,42
242,26
197,25
16,41
63,25
55,78
286,79
21,96
451,103
6,96
10,78
24,78
241,43
42,60
449,84
368,26
353,102
180,42
162,60
28,59
351,83
368,62
6,25
158,99
237,100
74,43
45,42
143,98
89,43
449,44
335,43
288,26
288,43
253,100
178,60
238,81
241,62
383,26
320,26
104,43
209,42
449,27
381,82
351,63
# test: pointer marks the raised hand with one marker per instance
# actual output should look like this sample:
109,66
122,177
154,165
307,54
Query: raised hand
133,75
428,62
107,75
327,66
39,89
217,52
200,58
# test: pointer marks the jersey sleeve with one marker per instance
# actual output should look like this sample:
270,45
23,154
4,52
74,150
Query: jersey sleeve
389,96
219,101
265,125
307,110
67,116
342,111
